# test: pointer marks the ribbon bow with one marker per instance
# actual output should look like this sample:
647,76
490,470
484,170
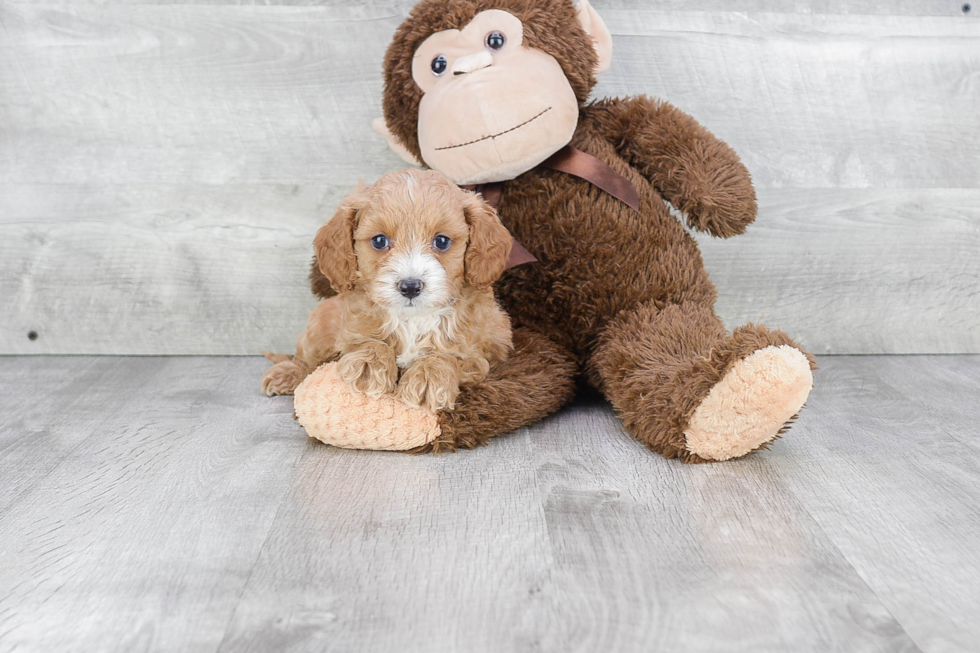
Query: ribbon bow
572,161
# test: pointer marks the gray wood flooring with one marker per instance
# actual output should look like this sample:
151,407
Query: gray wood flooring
163,504
164,164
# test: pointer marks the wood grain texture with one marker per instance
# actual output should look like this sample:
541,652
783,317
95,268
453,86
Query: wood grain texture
164,504
816,101
896,440
163,166
160,268
655,556
857,270
377,552
141,495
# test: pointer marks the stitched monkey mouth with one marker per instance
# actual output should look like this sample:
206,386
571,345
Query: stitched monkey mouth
484,138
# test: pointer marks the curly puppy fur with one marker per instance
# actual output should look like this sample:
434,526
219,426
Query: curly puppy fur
536,380
422,345
316,345
620,295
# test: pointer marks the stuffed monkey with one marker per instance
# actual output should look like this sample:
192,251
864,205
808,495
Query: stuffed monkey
494,95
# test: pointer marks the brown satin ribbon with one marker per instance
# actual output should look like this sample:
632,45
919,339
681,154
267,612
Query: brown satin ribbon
577,163
491,195
585,166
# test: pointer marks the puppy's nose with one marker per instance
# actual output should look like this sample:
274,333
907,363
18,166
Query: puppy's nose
410,287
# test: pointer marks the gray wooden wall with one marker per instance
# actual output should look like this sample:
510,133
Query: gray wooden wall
164,165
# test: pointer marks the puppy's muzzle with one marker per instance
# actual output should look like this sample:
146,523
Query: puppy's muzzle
410,288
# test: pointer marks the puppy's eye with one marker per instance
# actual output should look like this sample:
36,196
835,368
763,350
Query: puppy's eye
380,242
439,65
442,243
496,40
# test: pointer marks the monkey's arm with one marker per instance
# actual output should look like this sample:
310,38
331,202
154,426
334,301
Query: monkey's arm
695,171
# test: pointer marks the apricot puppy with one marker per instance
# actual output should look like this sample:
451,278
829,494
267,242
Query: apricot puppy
413,258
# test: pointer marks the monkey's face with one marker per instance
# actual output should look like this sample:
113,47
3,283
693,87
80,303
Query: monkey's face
491,108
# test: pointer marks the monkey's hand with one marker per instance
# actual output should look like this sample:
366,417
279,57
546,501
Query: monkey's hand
695,171
370,369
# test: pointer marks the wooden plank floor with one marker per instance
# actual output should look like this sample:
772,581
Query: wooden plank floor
164,504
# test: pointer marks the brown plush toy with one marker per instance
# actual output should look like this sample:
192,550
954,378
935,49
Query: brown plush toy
494,94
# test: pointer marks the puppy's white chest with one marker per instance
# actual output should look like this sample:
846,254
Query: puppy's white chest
416,334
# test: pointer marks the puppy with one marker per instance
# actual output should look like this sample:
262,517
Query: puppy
413,258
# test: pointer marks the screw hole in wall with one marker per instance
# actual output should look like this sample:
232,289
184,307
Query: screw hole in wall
967,8
32,335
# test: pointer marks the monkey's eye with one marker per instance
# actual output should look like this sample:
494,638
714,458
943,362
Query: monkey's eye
442,242
495,40
439,65
379,242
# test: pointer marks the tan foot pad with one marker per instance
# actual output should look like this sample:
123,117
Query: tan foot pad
332,414
749,406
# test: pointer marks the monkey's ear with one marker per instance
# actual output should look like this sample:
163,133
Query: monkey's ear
595,27
399,149
489,243
334,243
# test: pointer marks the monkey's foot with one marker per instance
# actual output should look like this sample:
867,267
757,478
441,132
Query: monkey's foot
334,414
751,405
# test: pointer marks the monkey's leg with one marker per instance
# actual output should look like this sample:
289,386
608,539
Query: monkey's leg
535,381
687,389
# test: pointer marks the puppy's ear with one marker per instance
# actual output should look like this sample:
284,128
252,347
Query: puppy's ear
334,243
489,243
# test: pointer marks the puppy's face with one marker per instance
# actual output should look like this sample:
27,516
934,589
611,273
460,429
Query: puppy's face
412,241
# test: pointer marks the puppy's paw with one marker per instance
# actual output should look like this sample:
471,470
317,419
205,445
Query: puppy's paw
283,377
430,385
369,370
